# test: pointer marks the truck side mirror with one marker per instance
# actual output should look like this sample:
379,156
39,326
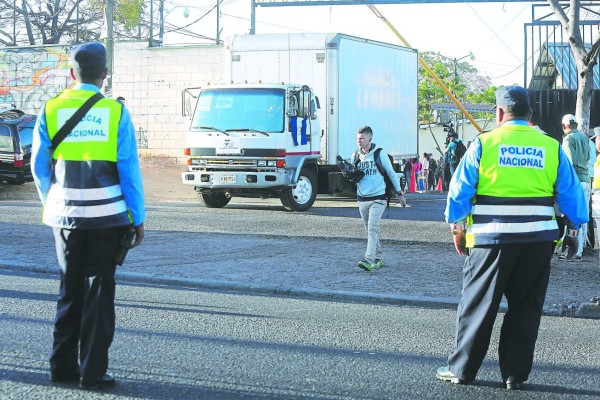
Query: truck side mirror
306,104
188,100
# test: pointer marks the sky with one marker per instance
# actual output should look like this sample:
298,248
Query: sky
492,32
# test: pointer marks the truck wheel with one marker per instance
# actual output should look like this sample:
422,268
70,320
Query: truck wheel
302,195
213,200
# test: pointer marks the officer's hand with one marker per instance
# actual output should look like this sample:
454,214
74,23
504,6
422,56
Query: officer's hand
460,242
139,235
571,243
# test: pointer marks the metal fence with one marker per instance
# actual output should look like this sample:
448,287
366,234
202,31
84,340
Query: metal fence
550,105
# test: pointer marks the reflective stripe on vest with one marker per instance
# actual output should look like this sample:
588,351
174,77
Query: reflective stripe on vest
85,192
515,192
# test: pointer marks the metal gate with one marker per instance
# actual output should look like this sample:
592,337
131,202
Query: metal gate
550,105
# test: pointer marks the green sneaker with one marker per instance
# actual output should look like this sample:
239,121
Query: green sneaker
378,263
364,264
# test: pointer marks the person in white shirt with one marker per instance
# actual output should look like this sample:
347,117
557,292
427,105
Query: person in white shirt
425,170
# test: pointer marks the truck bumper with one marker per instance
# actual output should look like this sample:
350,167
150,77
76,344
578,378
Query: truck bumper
234,179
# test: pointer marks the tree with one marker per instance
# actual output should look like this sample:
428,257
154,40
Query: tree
65,21
466,84
585,59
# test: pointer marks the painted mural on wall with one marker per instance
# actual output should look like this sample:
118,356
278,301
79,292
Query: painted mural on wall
30,76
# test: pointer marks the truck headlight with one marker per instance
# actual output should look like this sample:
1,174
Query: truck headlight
271,163
261,163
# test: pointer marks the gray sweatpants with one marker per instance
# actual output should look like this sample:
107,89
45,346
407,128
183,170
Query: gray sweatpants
371,212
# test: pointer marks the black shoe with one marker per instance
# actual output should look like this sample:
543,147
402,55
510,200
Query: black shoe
58,377
104,381
514,384
444,374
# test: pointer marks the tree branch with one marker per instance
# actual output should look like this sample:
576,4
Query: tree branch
559,12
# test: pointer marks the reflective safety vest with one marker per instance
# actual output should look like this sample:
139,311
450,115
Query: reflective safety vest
85,192
515,193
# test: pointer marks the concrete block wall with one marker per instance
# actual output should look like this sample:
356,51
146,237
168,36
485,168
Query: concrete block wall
152,81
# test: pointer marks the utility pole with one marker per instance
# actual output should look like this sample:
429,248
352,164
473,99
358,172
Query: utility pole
161,12
252,17
110,6
218,33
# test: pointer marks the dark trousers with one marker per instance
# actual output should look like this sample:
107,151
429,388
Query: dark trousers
518,271
85,317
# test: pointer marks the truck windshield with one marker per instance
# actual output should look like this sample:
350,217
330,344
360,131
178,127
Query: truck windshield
248,109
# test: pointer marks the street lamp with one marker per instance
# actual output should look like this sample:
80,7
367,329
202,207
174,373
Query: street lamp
455,62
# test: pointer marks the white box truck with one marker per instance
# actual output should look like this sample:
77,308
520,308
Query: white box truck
293,104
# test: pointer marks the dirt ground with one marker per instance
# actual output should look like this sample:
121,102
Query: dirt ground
162,180
161,175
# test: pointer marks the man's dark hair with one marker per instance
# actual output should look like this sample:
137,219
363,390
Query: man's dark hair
365,129
519,110
90,73
120,98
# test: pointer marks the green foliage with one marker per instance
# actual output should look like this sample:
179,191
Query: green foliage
129,13
464,82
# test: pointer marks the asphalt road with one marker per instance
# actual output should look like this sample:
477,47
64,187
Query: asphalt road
255,245
184,343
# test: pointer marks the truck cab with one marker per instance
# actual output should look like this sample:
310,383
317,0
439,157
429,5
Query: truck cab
253,140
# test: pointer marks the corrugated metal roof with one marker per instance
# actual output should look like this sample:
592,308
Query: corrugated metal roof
469,107
556,68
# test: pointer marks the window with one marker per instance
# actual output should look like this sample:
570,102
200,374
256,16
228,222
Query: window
6,142
243,109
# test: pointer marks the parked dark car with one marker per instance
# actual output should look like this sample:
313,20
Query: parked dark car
16,133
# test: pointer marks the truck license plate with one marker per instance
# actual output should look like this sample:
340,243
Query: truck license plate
227,178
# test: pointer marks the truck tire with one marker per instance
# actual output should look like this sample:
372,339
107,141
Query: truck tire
302,195
214,199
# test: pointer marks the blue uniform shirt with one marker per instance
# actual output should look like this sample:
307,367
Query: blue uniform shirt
463,187
127,161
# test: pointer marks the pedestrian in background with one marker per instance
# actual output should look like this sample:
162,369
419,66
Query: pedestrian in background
590,239
425,170
433,169
121,100
91,188
596,183
576,147
500,207
407,173
454,152
416,165
371,195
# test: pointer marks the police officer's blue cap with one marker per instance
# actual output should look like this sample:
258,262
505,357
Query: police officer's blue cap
511,95
88,54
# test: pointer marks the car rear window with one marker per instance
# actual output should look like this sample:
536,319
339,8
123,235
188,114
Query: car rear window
26,134
6,142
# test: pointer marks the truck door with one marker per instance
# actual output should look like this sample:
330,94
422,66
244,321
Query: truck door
303,122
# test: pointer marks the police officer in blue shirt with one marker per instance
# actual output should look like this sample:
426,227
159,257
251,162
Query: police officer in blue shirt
91,188
500,207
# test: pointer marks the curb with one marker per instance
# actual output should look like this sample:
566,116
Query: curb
588,310
585,311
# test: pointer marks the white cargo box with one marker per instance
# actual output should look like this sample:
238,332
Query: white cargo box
358,82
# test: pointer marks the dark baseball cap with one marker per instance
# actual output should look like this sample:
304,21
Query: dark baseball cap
91,54
511,95
453,134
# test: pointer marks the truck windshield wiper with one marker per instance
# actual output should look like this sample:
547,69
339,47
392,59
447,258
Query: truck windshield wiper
212,128
247,130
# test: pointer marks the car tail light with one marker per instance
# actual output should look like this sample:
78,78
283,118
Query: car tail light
280,163
187,151
18,160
